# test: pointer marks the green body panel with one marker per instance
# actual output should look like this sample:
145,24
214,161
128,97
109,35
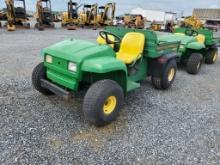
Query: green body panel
195,46
153,48
188,44
78,50
103,65
59,78
140,73
58,73
209,37
96,62
175,37
105,68
131,85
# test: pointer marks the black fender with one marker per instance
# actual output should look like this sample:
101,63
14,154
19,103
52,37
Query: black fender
157,65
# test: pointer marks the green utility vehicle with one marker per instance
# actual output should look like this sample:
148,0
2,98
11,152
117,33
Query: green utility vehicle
196,46
111,68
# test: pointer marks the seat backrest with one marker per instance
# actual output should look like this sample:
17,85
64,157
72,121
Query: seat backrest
132,43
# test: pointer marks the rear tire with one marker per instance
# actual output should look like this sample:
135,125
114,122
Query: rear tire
97,106
168,76
39,73
212,55
194,63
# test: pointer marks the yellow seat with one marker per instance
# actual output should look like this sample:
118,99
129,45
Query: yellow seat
132,47
200,38
102,41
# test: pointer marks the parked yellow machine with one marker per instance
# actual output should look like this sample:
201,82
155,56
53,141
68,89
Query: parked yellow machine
44,15
134,21
16,16
106,14
192,22
71,18
91,15
156,26
88,17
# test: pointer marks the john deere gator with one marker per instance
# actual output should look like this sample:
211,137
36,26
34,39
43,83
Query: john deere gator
196,46
114,66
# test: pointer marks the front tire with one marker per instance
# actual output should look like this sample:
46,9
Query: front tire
168,76
194,63
39,73
212,56
103,102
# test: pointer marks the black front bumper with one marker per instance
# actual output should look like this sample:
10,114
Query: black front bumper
56,89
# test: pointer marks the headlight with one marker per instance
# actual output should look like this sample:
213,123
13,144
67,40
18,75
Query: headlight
181,47
49,59
72,67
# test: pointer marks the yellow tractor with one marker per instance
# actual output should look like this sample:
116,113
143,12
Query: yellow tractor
156,26
192,22
16,16
134,21
44,15
88,17
106,14
71,18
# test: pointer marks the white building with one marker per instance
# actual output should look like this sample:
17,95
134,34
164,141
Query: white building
155,15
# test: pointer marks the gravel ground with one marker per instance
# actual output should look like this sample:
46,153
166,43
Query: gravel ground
177,126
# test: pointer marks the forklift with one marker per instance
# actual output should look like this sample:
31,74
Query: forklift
70,19
16,16
44,15
106,14
89,16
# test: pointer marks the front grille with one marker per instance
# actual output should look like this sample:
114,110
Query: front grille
60,63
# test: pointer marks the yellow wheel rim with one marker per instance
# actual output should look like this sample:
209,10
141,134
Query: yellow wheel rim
198,66
109,105
215,57
171,74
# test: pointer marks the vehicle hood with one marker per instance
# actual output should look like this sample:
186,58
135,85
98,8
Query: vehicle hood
176,37
78,50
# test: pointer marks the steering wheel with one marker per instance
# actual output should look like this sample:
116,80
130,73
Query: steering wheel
190,32
105,35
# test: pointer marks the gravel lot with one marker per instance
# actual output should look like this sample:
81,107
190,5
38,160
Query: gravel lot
177,126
